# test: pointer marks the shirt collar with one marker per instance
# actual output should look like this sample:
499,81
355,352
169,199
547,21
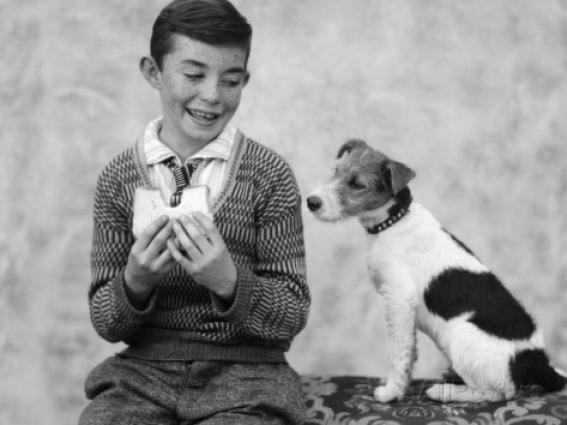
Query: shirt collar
156,151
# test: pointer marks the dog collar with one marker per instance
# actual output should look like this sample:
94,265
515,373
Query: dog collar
390,221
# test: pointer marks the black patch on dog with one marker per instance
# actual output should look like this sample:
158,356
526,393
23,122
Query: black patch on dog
531,367
460,243
404,199
495,310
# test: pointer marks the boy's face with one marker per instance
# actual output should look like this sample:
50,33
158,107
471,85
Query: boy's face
200,86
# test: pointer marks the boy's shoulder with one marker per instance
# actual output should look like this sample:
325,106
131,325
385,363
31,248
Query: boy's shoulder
122,167
124,158
265,157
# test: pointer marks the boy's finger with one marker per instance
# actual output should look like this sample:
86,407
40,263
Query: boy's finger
177,244
186,242
164,259
178,256
159,242
196,232
151,231
207,225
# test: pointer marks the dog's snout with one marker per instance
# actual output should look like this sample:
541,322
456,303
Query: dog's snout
314,203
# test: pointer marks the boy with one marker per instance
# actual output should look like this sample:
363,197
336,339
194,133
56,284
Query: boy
207,309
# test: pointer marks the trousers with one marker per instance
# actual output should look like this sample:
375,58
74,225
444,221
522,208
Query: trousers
127,391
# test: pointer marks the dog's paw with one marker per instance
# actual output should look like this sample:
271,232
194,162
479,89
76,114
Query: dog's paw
441,392
387,393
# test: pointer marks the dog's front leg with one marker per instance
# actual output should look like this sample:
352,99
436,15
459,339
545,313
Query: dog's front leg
401,302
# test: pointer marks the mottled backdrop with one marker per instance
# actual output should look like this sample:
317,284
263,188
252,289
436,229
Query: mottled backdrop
472,95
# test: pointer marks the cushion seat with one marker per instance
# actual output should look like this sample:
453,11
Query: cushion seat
348,400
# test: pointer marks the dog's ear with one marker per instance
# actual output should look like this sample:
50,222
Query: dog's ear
400,175
348,146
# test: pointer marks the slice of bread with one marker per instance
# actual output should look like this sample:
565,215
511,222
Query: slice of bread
149,205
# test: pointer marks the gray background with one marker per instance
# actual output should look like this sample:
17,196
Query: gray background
471,94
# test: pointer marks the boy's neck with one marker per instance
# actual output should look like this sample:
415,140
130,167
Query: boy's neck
184,148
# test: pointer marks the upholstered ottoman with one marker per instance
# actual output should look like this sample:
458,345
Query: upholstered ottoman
347,400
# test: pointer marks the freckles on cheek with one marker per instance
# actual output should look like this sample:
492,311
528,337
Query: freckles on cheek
232,100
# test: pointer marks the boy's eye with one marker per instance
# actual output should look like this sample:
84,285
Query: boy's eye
231,82
355,184
194,77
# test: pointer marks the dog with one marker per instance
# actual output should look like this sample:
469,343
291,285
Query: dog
431,281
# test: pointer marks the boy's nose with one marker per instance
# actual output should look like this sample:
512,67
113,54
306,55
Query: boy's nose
210,91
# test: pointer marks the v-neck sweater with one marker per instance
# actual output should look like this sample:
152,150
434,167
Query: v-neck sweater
258,214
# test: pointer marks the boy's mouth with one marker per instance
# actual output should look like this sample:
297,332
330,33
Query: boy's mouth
203,117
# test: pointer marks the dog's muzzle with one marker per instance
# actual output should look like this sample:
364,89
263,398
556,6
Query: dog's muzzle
314,203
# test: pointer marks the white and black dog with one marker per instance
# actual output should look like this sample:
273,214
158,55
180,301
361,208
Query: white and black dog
433,282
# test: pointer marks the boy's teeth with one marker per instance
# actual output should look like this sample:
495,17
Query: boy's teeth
204,115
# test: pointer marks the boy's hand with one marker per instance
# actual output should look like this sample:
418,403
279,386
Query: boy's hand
208,260
149,261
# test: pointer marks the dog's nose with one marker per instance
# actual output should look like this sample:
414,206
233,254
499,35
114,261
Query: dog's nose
314,203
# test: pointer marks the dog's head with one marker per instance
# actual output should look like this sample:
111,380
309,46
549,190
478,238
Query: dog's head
364,180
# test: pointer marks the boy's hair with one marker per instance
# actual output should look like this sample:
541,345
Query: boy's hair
215,22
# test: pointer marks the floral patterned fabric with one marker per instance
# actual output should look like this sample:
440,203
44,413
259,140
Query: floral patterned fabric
348,400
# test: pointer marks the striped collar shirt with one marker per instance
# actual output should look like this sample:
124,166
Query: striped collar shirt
212,161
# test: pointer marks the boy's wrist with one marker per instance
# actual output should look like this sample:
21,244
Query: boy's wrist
227,294
137,293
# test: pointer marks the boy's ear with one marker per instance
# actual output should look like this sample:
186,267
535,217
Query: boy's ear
150,71
400,175
246,79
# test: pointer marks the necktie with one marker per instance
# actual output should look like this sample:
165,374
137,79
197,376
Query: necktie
182,177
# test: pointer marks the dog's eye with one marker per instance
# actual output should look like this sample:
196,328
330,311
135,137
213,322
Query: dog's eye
355,184
380,187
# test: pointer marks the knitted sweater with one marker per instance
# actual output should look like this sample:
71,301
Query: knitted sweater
258,214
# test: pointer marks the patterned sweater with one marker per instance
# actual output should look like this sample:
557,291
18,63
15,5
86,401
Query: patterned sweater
258,214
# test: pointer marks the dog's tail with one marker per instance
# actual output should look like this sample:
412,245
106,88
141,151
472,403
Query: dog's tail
531,367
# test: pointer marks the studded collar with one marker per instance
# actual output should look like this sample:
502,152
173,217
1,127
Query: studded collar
396,215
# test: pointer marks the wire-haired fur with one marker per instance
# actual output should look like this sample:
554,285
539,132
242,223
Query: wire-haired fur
432,282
